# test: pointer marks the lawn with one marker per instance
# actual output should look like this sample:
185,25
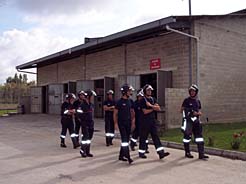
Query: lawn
7,111
7,108
220,135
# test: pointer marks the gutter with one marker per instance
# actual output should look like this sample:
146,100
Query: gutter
103,40
25,71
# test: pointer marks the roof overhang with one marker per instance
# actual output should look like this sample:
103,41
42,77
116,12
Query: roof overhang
128,36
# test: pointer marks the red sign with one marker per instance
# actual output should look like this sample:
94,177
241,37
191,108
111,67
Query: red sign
155,64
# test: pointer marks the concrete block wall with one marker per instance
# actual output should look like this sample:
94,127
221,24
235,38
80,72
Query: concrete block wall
109,62
172,49
174,99
47,74
222,67
70,70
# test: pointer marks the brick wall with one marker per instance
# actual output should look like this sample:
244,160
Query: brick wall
174,99
222,68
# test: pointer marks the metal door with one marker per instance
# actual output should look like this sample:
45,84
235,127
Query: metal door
72,87
84,85
55,97
108,84
164,80
36,99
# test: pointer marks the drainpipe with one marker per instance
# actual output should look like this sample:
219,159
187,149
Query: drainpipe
197,51
25,71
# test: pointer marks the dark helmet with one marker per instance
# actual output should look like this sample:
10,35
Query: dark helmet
140,92
146,87
125,88
131,88
110,92
81,93
70,96
193,87
89,93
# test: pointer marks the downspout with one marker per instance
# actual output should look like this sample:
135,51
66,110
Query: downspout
197,51
25,71
125,62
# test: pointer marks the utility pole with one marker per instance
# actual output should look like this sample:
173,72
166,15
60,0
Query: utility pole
189,7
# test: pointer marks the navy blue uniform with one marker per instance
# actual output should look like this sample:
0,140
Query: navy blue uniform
67,120
67,123
109,122
76,105
148,126
138,115
191,124
124,107
87,124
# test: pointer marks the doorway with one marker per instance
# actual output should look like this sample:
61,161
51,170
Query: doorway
99,89
149,79
44,99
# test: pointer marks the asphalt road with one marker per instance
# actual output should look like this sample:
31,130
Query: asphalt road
30,153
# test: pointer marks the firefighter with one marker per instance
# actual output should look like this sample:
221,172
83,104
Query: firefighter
124,120
67,112
77,104
108,107
149,124
138,112
87,123
191,109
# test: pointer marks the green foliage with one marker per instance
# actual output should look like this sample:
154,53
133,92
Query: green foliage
14,88
215,135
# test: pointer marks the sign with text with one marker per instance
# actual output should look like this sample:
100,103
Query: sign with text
155,64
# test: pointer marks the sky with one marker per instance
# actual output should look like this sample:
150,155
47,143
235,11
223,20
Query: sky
31,29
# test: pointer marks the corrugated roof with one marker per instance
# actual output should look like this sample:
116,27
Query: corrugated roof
113,40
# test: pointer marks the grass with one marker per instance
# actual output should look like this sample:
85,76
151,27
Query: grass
7,111
7,108
221,135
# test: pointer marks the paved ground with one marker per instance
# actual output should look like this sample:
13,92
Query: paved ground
30,153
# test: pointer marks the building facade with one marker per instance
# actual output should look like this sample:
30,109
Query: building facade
151,54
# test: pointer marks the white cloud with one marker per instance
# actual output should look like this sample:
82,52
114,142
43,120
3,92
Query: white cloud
18,47
60,24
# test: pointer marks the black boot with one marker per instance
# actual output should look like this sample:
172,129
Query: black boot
142,155
77,139
111,141
163,154
202,156
83,150
75,143
132,145
127,153
63,145
147,146
107,141
121,156
187,150
88,154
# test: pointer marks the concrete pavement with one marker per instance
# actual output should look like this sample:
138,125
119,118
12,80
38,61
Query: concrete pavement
30,153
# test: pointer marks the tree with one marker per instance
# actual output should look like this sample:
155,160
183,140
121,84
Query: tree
20,78
14,88
25,78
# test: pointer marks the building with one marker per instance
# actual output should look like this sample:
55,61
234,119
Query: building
157,54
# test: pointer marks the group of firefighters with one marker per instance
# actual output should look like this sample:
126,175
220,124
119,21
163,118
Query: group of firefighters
134,120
